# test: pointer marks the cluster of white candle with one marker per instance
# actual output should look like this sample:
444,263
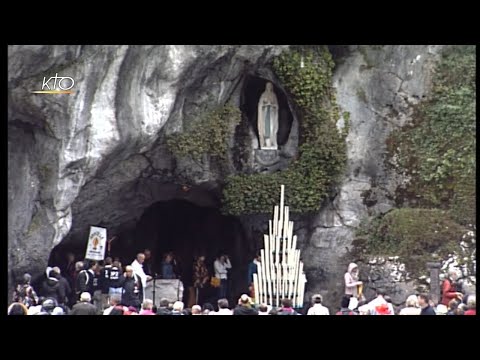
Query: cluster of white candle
280,272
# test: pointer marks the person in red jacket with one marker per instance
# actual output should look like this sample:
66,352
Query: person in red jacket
449,290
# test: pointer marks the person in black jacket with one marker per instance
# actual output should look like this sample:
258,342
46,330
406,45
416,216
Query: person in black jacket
423,301
244,306
147,263
51,288
64,285
85,279
163,308
115,279
131,289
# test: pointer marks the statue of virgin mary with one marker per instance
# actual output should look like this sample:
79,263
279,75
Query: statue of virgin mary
268,118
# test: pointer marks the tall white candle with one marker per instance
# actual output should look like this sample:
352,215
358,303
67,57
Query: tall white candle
264,278
268,255
260,290
256,289
281,210
297,267
300,284
275,219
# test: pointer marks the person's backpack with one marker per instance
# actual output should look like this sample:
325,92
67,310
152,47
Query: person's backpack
25,295
87,277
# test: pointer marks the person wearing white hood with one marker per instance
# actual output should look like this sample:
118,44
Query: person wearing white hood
351,280
137,266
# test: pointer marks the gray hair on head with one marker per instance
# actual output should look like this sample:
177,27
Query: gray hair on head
452,272
412,301
197,309
86,297
147,304
27,278
178,306
115,298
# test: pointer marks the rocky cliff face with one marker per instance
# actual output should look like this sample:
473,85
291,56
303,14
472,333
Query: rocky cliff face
79,159
378,86
98,156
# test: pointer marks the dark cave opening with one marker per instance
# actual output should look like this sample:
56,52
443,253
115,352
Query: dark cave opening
253,89
187,230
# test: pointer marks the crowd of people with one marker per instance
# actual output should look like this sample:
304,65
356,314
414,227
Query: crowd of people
108,288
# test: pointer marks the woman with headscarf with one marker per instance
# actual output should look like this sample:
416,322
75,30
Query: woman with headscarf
351,280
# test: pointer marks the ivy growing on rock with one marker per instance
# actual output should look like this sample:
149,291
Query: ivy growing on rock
437,152
322,151
438,149
415,235
208,135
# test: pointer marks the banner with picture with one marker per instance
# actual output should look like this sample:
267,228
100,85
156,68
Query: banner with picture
97,241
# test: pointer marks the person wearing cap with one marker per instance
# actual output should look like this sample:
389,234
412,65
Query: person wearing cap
318,308
84,307
244,306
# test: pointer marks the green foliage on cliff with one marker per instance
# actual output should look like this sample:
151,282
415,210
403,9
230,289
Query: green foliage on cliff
322,150
437,152
438,149
208,135
412,234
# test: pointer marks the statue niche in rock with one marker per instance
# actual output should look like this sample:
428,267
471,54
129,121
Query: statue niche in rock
268,119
